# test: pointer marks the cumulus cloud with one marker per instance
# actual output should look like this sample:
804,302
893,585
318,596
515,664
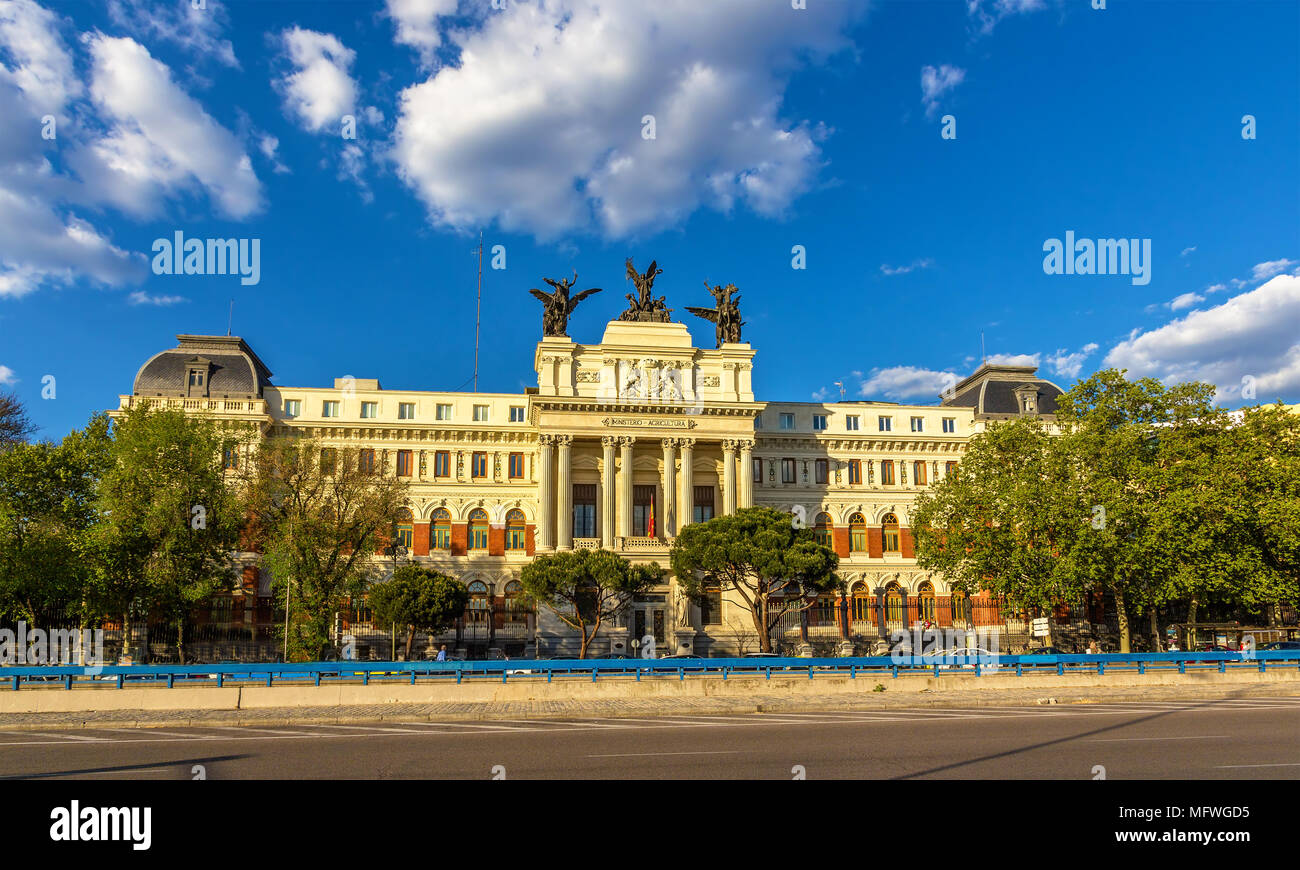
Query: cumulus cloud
542,126
417,24
1013,359
7,376
320,90
1070,364
903,270
197,31
1253,334
907,382
40,66
139,297
1184,300
937,82
1263,271
161,140
986,14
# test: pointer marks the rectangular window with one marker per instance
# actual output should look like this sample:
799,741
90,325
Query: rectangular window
403,463
787,421
819,422
405,537
711,605
822,471
369,410
329,409
584,510
758,422
887,472
851,423
855,471
478,465
918,472
406,410
230,458
642,498
516,413
703,510
516,466
480,413
918,424
886,424
949,425
758,469
327,460
442,463
292,407
949,468
787,471
442,412
366,460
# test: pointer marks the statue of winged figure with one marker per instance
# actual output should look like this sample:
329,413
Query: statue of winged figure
644,307
725,315
559,305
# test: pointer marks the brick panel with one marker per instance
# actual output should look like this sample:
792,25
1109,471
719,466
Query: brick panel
496,540
875,542
459,538
840,540
420,541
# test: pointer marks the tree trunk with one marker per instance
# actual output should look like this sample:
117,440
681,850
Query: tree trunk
1155,630
410,639
760,626
126,634
1191,621
1121,613
180,640
586,639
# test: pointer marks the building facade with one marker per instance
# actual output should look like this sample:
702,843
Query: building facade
620,445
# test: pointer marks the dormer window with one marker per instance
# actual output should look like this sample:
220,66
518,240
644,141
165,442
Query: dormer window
197,372
1027,399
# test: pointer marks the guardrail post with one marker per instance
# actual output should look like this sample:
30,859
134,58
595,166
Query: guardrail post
269,676
412,676
768,669
1223,667
853,672
724,671
171,680
120,678
549,674
67,681
681,673
1101,668
638,674
1263,666
221,678
1060,669
505,677
810,671
1182,667
1142,667
895,669
977,668
936,670
593,674
318,678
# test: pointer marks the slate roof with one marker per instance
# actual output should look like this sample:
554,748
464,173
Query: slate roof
991,390
235,370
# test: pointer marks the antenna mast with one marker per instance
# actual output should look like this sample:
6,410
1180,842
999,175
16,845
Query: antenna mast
478,307
231,319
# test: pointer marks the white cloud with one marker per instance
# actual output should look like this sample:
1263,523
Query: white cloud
1013,359
38,245
41,68
198,31
540,125
985,14
269,146
1070,364
937,82
139,297
1215,288
161,141
1262,271
320,90
7,376
1187,251
907,382
821,395
1184,300
903,270
417,24
1251,334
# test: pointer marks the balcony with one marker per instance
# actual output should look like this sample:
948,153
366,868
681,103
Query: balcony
233,407
642,545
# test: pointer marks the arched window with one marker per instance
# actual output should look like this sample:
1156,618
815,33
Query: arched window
515,531
822,530
895,604
517,608
863,606
824,610
925,596
478,530
480,603
405,530
857,534
890,524
441,529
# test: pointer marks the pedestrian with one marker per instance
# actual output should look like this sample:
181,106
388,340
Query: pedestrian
1094,648
442,653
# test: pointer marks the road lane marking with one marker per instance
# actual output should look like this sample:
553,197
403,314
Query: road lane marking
1187,737
60,736
149,732
659,754
1278,764
245,729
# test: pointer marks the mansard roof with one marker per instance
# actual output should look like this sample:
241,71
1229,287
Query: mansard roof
233,369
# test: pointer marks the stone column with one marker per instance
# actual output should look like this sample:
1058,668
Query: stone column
688,482
625,486
607,443
728,477
746,474
670,487
564,512
545,494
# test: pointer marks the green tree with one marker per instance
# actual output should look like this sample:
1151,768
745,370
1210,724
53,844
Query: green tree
585,588
759,553
171,515
15,425
318,515
419,600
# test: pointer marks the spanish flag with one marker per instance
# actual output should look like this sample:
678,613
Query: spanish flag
650,531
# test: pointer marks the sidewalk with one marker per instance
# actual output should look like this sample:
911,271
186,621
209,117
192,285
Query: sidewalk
612,708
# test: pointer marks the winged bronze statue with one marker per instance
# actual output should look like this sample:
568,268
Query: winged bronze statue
725,315
559,305
644,307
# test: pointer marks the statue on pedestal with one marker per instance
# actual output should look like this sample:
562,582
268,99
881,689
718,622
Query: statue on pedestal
725,315
643,307
559,305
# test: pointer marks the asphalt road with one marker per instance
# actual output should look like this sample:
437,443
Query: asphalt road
1198,739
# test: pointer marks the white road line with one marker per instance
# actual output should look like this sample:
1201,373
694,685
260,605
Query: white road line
148,732
659,754
1129,739
246,729
374,728
569,722
463,725
1279,764
61,736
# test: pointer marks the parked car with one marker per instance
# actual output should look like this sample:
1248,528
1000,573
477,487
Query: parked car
1290,645
1047,651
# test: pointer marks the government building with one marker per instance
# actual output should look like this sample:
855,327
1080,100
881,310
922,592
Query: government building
620,444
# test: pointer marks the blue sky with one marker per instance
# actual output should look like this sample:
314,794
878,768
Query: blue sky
774,127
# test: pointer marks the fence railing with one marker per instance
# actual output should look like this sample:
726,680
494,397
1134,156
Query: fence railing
724,668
